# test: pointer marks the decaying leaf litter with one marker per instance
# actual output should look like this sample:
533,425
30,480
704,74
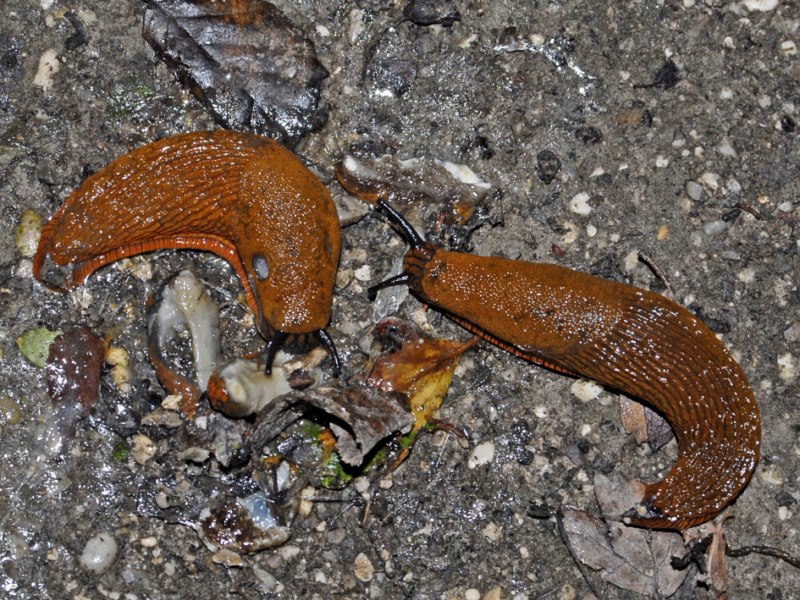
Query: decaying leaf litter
556,215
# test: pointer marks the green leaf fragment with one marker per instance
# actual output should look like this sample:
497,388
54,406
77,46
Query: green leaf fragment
35,344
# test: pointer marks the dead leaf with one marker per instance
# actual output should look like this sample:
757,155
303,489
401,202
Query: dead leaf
717,562
361,417
74,367
455,188
643,423
626,557
422,368
251,66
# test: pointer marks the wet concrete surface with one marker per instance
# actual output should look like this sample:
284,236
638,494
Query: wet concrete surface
668,128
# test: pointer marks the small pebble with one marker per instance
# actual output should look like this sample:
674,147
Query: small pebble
761,5
228,558
492,532
580,204
483,454
787,367
715,227
363,273
143,448
792,334
789,48
567,592
363,568
496,593
710,181
306,501
585,391
150,541
172,402
472,594
99,553
694,190
49,65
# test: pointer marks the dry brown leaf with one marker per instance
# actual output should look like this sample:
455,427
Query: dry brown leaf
74,367
361,417
244,60
422,368
717,562
626,557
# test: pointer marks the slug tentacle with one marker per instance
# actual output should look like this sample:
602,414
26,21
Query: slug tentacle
274,344
326,342
401,279
409,234
626,338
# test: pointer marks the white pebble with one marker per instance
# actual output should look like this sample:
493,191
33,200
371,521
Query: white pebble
483,454
710,181
715,227
150,541
726,149
363,273
789,48
99,553
585,391
143,448
472,594
492,532
787,367
746,275
580,204
48,66
661,162
760,5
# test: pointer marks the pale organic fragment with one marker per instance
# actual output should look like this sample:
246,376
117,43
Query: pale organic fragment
99,553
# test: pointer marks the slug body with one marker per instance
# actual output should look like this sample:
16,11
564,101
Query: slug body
623,337
243,197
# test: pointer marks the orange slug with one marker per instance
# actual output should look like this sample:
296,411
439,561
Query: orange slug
626,338
243,197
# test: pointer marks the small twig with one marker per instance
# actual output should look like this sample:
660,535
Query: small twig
658,273
749,209
766,551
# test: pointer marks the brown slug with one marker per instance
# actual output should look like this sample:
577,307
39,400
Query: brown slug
243,197
626,338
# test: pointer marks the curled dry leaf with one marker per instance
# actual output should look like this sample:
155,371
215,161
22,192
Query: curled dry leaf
251,67
361,417
420,367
